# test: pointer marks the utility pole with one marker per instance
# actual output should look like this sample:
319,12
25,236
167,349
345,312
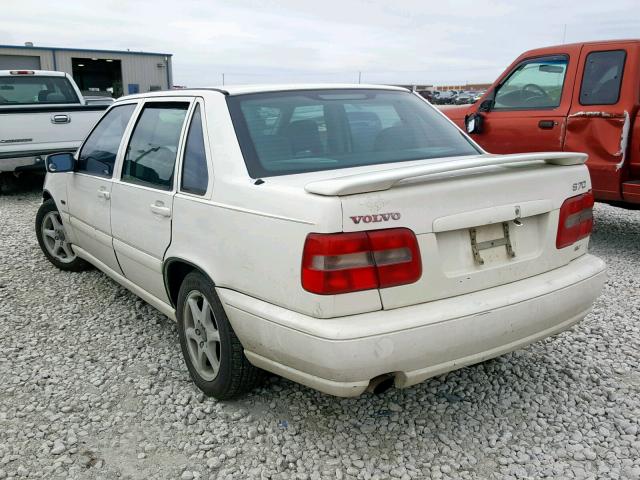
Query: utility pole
223,79
359,77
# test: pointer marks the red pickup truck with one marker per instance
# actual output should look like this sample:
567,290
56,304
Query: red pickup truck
583,97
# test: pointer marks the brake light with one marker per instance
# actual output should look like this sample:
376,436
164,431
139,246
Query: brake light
349,262
576,219
22,72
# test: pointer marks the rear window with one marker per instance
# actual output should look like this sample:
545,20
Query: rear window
283,133
32,90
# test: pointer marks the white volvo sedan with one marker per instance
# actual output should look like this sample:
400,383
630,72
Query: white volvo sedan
345,237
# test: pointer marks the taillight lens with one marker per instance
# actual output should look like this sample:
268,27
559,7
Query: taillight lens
349,262
576,219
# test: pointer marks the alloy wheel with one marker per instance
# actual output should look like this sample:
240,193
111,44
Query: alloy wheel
202,335
55,239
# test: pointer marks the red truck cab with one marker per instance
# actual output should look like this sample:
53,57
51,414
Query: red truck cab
582,97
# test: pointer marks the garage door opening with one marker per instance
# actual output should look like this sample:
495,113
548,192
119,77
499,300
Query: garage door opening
98,76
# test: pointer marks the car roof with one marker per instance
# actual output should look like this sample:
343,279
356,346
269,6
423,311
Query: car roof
247,89
544,50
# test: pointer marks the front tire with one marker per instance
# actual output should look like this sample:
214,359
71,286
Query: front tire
52,239
213,354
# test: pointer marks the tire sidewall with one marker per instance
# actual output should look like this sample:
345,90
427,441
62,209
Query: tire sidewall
77,264
219,386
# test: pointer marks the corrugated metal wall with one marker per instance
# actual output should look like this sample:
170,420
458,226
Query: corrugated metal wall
137,68
46,59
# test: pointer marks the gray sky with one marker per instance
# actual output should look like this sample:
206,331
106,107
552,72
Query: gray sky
407,41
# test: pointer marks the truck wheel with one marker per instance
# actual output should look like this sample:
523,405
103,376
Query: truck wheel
8,183
213,354
53,239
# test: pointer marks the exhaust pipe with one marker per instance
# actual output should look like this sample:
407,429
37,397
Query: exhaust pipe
381,383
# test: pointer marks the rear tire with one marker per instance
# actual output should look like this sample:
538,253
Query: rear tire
8,183
213,354
52,239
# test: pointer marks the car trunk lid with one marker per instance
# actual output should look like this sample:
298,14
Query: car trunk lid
480,222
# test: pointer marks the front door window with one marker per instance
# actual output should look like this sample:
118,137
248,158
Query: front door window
534,84
98,154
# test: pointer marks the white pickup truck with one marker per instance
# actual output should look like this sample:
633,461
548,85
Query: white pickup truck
41,112
345,237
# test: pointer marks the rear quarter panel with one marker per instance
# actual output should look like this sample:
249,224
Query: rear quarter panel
255,246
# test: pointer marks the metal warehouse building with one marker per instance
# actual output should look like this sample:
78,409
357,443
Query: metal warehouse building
97,72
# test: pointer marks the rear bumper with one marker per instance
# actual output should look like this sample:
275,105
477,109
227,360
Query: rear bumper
340,356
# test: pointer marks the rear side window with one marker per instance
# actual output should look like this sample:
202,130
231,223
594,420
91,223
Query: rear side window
602,77
32,90
282,133
98,154
151,155
195,177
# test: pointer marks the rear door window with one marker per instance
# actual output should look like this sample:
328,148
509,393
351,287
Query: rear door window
35,90
534,84
602,77
151,154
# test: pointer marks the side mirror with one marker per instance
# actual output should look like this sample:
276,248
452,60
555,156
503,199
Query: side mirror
60,162
486,105
473,123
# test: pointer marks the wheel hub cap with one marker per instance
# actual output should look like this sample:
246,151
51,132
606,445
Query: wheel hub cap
202,336
55,240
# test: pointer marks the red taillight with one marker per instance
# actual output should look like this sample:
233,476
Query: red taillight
348,262
576,219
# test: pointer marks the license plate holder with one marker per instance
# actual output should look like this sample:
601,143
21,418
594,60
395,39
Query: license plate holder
477,247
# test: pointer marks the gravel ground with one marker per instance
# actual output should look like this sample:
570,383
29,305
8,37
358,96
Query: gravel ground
92,385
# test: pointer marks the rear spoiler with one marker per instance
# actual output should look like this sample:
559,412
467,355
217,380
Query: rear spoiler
385,179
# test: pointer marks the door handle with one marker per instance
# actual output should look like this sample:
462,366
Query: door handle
547,124
104,193
158,208
61,119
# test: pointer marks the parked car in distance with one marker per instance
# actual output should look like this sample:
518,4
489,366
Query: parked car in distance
41,112
429,95
446,97
580,97
464,98
345,237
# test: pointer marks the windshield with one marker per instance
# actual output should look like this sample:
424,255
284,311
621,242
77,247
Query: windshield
35,90
305,131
